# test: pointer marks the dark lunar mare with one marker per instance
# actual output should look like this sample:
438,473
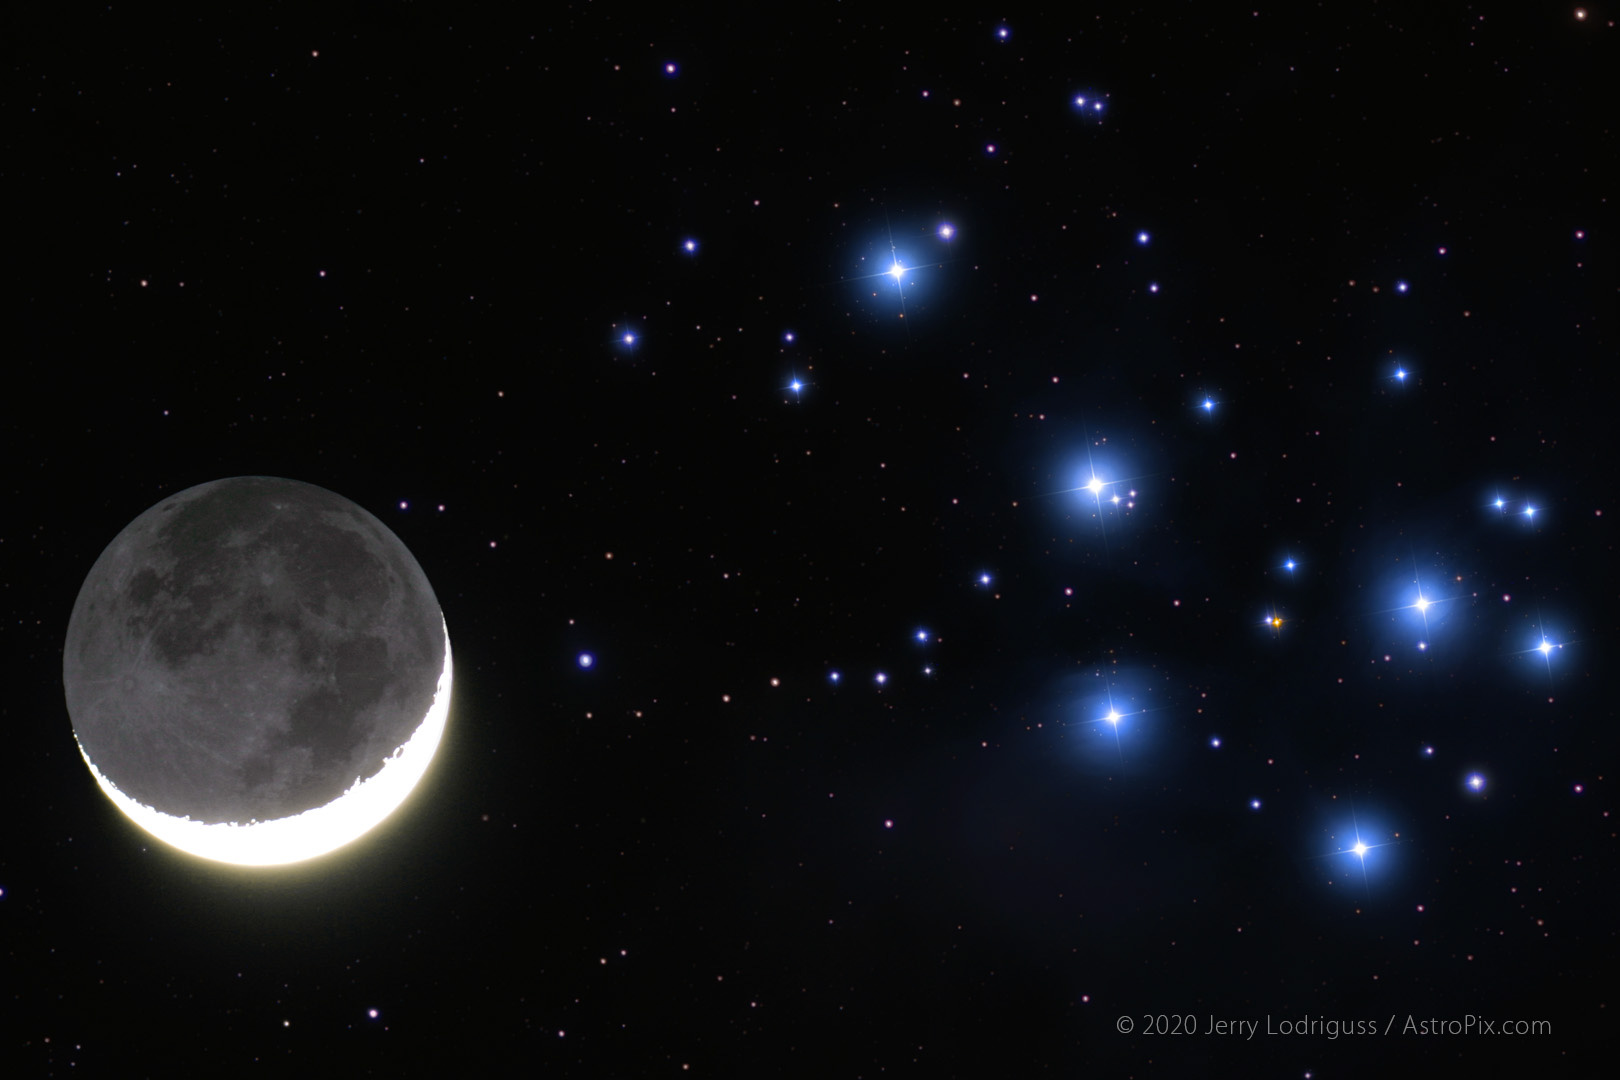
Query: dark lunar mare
249,648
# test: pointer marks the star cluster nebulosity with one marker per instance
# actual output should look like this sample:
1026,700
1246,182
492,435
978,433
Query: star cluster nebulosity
963,538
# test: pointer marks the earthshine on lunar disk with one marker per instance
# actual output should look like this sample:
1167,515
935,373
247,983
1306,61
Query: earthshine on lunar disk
257,671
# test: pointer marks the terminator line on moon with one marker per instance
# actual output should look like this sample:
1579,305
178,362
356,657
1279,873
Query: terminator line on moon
257,671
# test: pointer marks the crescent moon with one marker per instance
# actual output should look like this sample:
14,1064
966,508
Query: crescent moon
247,671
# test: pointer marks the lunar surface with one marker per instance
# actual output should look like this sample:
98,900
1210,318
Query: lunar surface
257,670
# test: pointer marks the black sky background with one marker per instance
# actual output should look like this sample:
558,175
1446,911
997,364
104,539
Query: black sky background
390,251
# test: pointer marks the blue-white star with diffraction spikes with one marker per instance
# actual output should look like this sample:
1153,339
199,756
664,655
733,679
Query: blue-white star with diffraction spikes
1107,712
1116,493
899,258
1475,783
1362,846
625,337
1428,610
1544,646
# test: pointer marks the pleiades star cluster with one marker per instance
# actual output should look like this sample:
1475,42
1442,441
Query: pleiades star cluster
983,544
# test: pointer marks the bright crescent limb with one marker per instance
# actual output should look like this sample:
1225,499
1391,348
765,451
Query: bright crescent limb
314,832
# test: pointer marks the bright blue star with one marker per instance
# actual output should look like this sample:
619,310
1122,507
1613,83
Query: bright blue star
1475,782
922,635
787,337
1112,713
1529,512
1401,286
1422,605
689,246
881,678
1289,565
796,386
670,69
1400,374
832,676
1545,646
900,261
1153,286
586,659
984,579
1254,804
1142,238
1215,742
1428,751
1357,844
1002,33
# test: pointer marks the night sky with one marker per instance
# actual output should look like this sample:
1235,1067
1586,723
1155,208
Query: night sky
958,536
